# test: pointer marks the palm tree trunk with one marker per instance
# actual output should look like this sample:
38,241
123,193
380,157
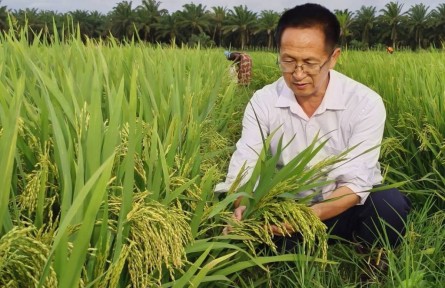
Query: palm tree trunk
242,39
214,34
365,37
172,39
393,36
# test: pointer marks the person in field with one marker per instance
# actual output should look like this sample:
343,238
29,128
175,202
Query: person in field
312,98
243,66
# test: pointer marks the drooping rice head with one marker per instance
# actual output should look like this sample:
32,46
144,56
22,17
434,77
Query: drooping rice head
157,238
300,218
22,258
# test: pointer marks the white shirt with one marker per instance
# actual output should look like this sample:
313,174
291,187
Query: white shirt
349,114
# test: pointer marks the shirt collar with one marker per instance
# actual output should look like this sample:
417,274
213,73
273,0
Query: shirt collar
334,97
286,97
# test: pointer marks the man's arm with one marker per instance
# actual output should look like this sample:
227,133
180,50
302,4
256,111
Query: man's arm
339,201
248,146
355,178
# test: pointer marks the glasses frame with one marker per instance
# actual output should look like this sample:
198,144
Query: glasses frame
302,65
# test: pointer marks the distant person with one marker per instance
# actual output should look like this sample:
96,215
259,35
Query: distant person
389,49
243,66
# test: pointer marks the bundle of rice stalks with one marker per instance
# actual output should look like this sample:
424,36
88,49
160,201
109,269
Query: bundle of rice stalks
22,258
272,196
157,237
285,215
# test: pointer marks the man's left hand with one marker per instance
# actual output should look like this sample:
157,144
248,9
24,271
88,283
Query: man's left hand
279,232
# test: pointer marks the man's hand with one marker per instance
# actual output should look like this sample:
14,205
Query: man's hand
237,215
341,199
278,232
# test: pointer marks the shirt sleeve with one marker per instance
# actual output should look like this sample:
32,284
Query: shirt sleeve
362,169
249,146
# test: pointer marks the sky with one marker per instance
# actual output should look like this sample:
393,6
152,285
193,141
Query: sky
105,6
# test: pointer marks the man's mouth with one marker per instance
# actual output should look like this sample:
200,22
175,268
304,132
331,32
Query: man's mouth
301,85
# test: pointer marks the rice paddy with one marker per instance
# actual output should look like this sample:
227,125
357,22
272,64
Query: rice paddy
110,154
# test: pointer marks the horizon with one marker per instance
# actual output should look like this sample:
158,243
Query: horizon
171,6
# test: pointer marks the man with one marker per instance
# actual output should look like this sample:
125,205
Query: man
243,64
312,98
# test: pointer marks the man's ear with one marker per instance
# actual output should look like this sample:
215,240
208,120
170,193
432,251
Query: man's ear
334,57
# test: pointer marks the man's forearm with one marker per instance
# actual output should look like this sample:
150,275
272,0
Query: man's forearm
339,201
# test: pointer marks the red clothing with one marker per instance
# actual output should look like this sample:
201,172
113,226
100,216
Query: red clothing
244,69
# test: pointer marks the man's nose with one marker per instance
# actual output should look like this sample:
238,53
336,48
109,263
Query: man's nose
299,73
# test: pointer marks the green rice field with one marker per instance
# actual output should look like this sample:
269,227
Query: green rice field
110,153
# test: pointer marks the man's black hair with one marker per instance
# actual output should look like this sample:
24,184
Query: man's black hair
308,16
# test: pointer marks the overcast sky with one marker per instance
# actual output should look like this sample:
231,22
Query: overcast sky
105,6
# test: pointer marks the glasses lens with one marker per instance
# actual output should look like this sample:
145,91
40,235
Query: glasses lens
287,66
311,68
290,67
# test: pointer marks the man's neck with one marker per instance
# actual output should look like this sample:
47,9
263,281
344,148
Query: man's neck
310,105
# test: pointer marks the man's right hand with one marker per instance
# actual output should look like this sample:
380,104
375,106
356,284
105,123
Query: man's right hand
237,215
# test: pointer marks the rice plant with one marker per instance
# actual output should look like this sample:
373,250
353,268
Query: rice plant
110,153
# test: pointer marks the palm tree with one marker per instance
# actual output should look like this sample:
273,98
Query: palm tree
392,16
217,17
3,17
268,22
194,19
81,19
345,18
240,19
28,18
148,14
169,27
418,18
365,19
438,22
122,20
97,23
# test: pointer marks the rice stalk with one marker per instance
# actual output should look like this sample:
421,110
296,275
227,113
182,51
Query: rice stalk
34,197
214,148
122,149
298,217
190,193
157,238
114,271
275,195
22,257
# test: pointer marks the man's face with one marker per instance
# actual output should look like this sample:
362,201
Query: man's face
305,46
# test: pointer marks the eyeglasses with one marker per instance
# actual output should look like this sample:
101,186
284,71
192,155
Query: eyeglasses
308,68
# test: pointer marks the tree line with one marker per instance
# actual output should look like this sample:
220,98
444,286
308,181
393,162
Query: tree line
418,26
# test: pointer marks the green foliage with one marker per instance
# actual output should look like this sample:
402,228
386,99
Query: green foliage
417,26
108,148
414,142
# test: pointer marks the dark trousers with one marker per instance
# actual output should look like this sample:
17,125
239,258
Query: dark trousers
381,217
